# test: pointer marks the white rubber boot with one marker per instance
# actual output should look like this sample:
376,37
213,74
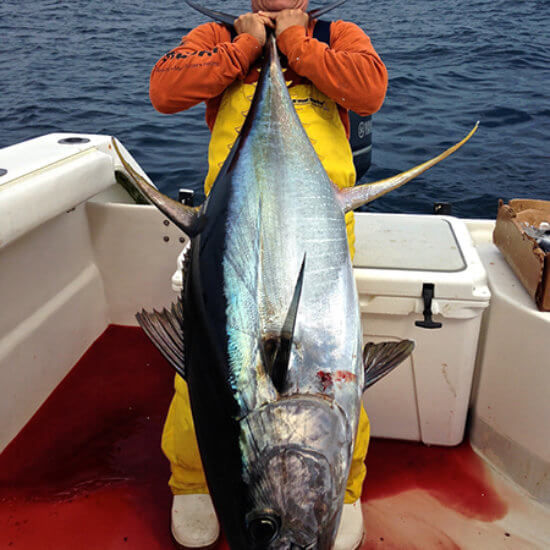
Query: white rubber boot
194,522
350,532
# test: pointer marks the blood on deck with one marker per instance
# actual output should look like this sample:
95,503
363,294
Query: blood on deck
87,470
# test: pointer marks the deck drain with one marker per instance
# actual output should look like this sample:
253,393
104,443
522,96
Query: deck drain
3,172
73,140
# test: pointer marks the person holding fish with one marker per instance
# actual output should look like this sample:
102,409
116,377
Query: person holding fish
329,72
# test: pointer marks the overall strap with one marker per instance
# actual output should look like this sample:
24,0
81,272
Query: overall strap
360,126
321,31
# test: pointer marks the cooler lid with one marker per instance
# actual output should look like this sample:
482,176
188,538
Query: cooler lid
397,253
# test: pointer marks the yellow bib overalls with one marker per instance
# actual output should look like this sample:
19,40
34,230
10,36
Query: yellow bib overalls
321,120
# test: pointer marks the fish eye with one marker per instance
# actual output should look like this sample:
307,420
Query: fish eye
263,529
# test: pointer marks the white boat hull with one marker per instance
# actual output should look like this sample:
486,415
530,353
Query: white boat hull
77,255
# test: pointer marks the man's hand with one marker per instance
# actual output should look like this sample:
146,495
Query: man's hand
286,18
253,24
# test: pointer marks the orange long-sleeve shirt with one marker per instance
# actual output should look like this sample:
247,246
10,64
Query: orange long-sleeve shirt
349,71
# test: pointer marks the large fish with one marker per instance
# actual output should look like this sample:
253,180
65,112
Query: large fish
273,341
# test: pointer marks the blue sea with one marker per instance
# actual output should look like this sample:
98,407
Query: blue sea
84,67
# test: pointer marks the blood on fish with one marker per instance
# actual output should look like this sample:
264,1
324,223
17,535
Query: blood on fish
325,378
344,376
328,378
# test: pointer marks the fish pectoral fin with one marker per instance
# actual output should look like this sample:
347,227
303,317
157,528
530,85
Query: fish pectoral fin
164,329
187,218
380,359
277,361
353,197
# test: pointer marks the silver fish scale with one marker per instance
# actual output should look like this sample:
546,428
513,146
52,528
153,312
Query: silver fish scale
279,212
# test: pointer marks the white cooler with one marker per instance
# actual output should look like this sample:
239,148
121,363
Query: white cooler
420,277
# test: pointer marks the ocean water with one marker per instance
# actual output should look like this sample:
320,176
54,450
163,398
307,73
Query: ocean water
84,67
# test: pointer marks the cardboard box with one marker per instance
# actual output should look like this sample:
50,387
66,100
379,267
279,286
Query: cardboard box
528,261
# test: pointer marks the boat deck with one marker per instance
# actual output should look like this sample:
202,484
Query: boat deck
87,472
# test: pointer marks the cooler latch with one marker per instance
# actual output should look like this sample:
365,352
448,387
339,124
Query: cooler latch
427,297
